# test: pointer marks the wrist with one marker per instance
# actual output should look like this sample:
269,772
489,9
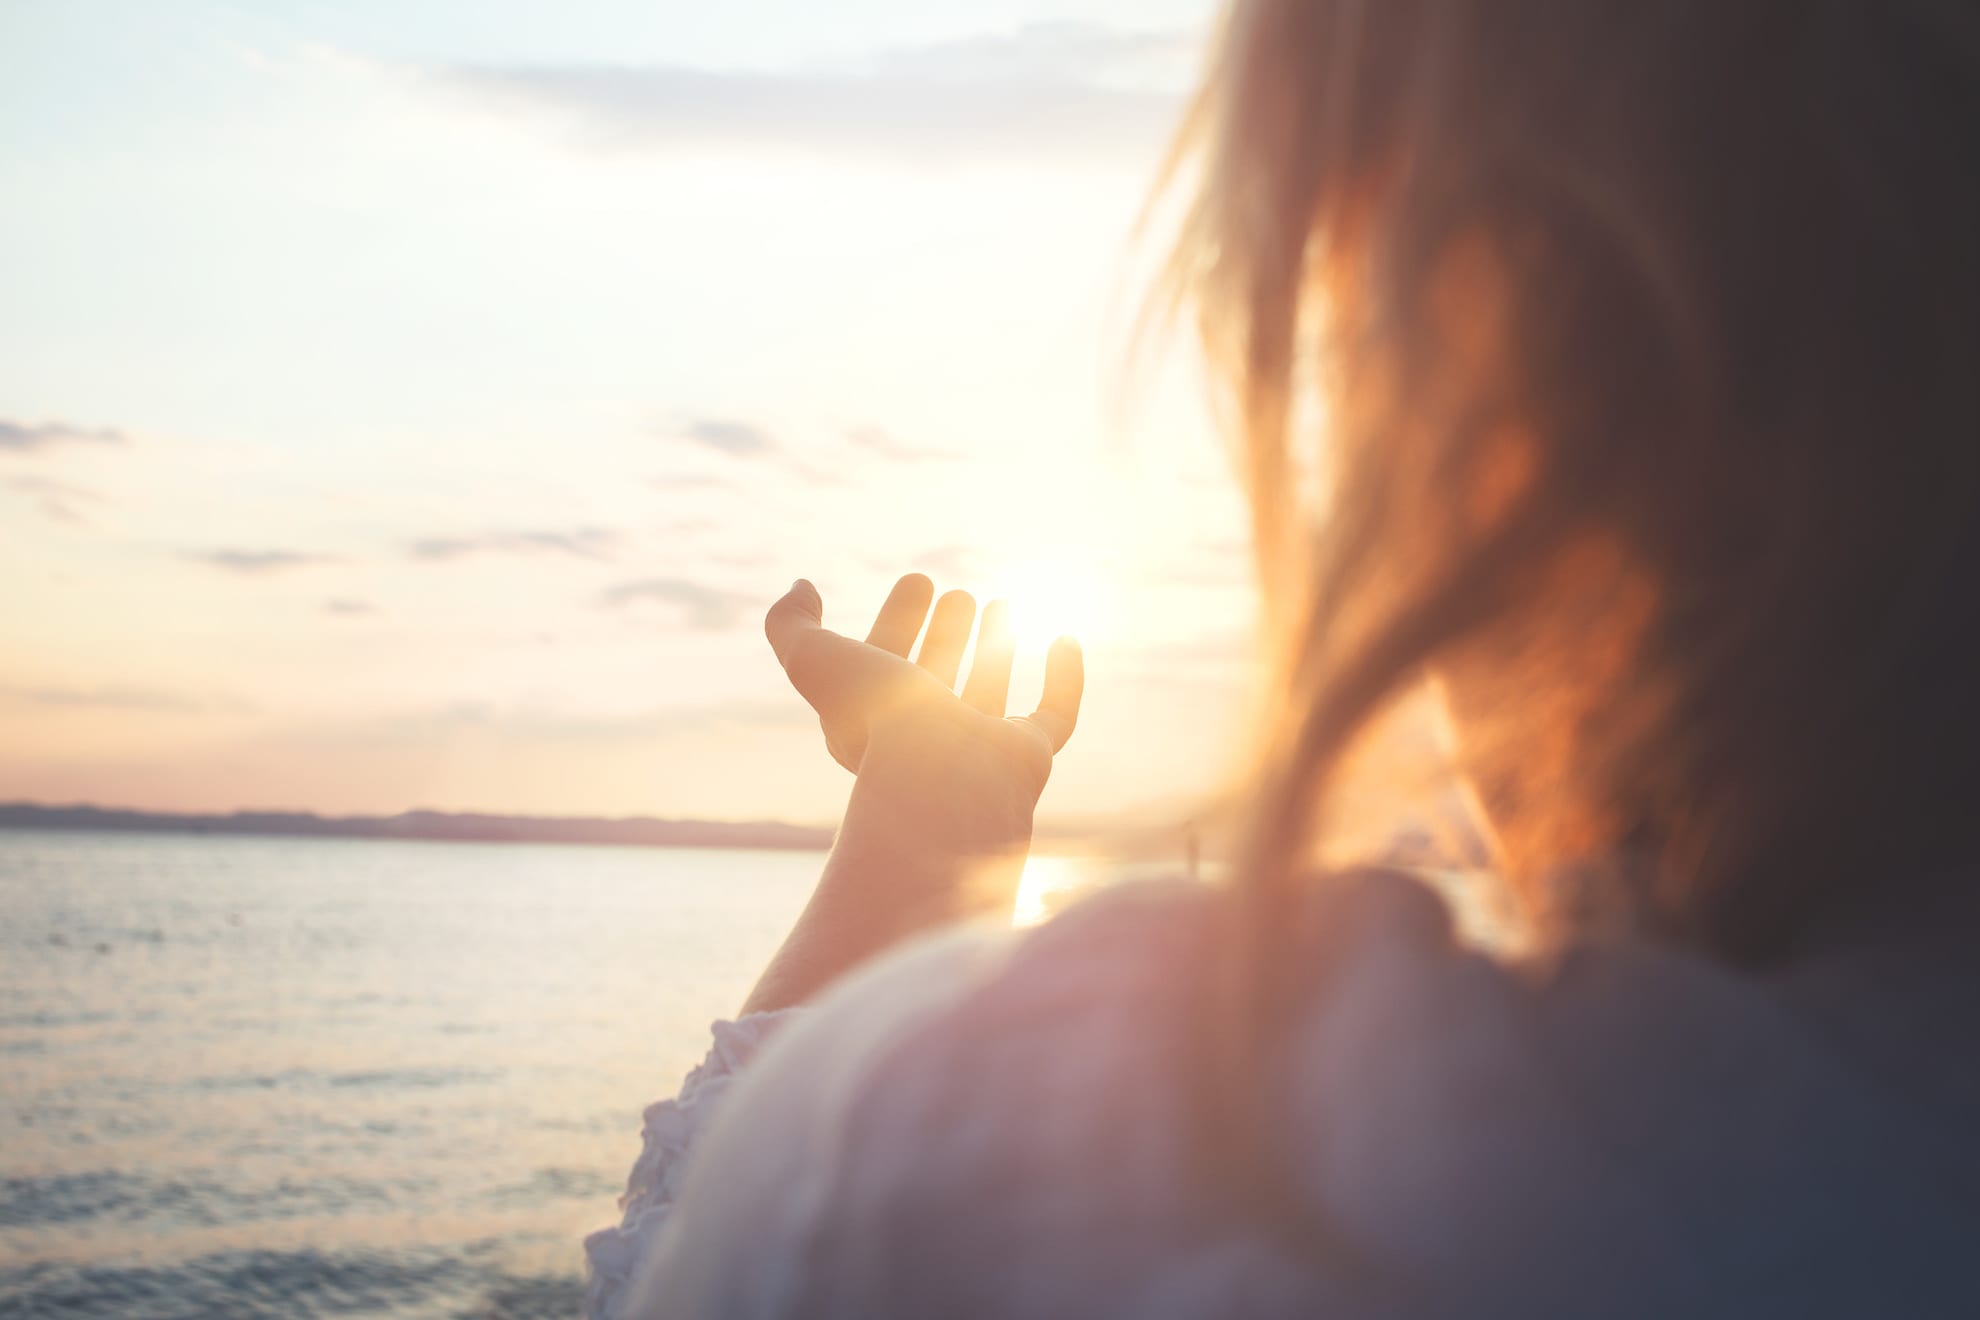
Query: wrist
924,807
907,848
928,846
944,861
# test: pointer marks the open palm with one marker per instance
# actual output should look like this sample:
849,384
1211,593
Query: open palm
876,703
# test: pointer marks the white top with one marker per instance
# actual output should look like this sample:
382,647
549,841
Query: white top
994,1125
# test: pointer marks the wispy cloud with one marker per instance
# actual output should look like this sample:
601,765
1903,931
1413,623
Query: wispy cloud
724,435
349,607
1053,91
709,609
538,726
1064,51
884,444
578,543
813,474
129,699
691,481
749,442
691,526
24,437
256,563
59,501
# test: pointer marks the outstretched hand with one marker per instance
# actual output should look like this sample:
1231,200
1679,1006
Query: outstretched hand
944,785
954,760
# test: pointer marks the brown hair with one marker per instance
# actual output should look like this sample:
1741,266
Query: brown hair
1621,363
1646,346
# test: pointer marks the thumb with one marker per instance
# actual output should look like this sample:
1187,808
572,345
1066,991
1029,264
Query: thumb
831,672
797,612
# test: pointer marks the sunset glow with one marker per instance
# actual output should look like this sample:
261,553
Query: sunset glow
1060,593
438,428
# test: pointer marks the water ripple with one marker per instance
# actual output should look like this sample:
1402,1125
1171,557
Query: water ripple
293,1285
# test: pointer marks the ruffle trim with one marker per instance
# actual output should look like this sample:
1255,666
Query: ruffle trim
671,1126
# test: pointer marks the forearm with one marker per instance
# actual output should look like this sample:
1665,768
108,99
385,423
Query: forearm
894,872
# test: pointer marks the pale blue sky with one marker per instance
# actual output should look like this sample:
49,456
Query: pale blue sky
475,372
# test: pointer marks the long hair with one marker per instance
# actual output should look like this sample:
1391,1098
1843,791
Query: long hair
1619,363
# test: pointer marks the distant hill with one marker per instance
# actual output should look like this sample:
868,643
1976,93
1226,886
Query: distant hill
634,831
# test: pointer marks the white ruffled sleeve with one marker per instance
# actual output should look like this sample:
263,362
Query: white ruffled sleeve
768,1161
671,1130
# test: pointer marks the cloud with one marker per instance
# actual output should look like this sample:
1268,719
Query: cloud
56,500
877,441
535,725
690,526
1065,51
134,700
813,475
348,607
691,481
1049,92
255,563
706,608
579,543
23,437
734,438
747,441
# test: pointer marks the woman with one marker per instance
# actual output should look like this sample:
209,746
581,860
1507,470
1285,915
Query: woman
1647,338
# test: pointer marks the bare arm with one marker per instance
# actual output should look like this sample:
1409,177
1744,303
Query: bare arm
940,817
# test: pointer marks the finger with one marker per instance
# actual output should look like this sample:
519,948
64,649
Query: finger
1065,684
989,685
828,670
797,612
948,633
899,620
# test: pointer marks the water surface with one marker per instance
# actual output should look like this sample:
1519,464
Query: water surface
284,1077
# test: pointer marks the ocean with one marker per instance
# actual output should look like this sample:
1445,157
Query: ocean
281,1077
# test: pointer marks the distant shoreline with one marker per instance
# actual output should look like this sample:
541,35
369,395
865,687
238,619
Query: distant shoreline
434,826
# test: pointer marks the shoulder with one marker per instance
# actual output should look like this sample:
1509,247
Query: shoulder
997,1124
1108,985
1026,1084
1109,998
1451,1110
1050,1109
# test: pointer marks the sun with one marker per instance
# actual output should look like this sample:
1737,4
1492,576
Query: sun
1055,594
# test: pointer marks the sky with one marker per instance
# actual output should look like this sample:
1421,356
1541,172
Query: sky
418,405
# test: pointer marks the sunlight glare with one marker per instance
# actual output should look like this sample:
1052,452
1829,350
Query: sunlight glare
1049,884
1054,595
